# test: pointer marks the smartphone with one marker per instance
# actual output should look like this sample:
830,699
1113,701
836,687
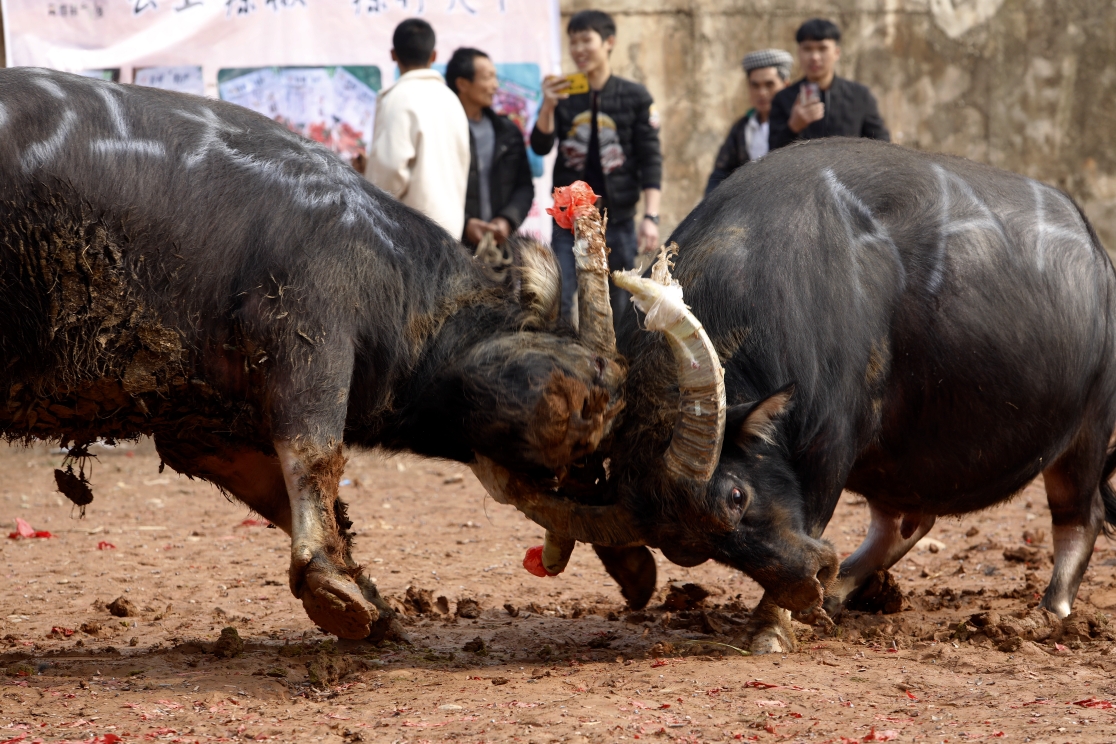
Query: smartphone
578,83
810,93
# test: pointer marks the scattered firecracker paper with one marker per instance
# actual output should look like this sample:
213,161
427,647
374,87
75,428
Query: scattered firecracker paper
1094,703
532,561
254,523
570,201
104,545
58,630
886,735
23,529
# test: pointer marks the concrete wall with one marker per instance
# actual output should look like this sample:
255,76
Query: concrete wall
1027,85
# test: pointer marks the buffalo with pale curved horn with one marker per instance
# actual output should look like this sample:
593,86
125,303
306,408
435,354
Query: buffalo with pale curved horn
926,331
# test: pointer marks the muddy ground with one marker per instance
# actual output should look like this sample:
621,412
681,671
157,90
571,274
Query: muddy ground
507,656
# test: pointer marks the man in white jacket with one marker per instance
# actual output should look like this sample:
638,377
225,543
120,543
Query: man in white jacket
420,146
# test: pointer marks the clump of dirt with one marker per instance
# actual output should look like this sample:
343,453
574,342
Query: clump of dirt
419,601
468,609
326,670
882,593
475,646
229,644
684,596
122,607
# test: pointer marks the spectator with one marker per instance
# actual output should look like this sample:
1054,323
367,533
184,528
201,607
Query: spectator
609,139
420,145
500,189
822,104
767,72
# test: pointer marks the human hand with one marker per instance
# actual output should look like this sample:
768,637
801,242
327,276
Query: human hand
554,90
475,230
648,236
502,229
806,111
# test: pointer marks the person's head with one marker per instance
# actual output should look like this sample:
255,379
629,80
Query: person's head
472,76
767,71
592,36
413,44
819,48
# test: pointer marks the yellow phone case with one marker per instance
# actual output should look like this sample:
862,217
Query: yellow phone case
578,83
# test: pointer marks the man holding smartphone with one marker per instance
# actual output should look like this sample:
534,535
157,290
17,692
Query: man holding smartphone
608,137
822,104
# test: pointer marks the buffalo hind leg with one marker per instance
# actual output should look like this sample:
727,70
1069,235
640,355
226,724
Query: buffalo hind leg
633,569
1077,513
890,536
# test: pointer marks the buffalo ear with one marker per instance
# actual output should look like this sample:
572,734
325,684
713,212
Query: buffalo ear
750,421
537,281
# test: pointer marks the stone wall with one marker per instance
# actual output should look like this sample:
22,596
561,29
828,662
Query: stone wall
1027,85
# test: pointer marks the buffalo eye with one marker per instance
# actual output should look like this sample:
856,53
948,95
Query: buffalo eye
737,497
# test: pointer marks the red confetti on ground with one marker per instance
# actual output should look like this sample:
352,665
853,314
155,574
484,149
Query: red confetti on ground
761,685
1094,703
105,546
911,695
887,735
570,201
23,529
532,561
658,663
255,523
62,631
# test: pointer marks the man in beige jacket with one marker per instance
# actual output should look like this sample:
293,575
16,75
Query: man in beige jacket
420,146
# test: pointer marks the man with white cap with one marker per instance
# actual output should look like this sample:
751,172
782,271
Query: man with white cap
767,71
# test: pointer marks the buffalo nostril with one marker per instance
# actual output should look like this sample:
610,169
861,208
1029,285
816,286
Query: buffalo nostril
602,365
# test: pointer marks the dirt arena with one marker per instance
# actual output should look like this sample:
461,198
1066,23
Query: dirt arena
506,656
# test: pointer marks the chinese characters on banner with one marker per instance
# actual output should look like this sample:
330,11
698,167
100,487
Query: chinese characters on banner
316,65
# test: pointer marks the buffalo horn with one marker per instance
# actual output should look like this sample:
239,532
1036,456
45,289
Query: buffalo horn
564,520
594,311
696,442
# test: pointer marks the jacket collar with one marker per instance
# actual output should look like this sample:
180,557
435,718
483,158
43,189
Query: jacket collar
424,74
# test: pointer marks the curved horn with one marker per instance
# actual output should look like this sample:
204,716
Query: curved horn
594,309
696,443
610,525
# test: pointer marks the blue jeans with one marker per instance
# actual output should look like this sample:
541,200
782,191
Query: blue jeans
620,237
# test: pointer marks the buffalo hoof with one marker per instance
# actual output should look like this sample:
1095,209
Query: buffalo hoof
769,630
633,569
334,601
387,627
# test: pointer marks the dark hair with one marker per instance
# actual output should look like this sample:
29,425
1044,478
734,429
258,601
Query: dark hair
413,42
592,20
818,29
463,64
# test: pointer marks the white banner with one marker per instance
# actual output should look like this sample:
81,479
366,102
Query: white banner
315,65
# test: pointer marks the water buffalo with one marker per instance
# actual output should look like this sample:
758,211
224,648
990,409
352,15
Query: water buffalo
923,330
186,269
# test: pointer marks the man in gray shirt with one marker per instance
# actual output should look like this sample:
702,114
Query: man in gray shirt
500,190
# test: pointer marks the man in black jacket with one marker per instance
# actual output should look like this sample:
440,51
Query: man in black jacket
500,190
822,104
609,138
767,71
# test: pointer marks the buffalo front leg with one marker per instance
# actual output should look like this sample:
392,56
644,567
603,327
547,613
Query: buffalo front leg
769,629
633,569
323,574
890,536
1077,511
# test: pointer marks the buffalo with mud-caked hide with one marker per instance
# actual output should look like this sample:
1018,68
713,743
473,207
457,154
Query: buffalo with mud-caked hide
184,268
923,330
